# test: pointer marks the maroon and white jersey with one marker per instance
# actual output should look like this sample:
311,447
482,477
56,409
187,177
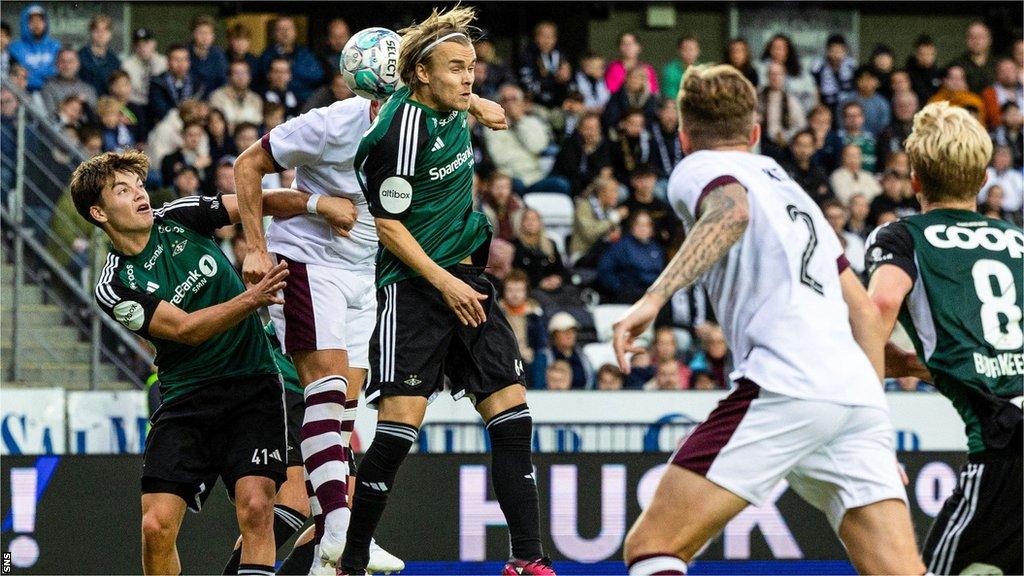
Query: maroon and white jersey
777,292
321,145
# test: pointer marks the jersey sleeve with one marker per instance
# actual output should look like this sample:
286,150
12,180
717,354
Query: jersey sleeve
204,214
891,244
390,164
690,185
130,308
298,142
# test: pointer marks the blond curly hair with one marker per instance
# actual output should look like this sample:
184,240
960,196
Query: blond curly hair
948,150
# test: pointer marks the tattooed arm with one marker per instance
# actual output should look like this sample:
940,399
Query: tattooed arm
723,220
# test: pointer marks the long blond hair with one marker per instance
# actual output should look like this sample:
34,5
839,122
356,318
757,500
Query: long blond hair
418,37
948,152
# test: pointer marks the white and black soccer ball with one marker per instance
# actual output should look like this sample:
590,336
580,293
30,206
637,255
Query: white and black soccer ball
369,63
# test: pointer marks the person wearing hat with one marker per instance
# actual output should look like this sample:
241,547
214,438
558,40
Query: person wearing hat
562,346
144,64
35,49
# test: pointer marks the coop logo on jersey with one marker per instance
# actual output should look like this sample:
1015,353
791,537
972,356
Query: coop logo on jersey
130,314
994,239
148,264
447,169
396,194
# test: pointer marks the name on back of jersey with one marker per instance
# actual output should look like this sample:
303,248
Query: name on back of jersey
967,237
1005,364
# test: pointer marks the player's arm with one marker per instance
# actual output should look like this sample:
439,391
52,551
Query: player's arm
865,321
722,219
488,113
340,213
151,317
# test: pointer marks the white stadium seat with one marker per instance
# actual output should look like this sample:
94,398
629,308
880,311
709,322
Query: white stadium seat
599,354
606,314
556,209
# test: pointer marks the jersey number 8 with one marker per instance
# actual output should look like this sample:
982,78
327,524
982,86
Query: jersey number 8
994,306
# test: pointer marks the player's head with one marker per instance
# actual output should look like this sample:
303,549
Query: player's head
437,58
948,151
108,191
716,109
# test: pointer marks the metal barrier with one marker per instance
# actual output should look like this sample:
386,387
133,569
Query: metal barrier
472,438
44,237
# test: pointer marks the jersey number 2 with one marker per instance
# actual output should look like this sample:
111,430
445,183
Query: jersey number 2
994,306
812,243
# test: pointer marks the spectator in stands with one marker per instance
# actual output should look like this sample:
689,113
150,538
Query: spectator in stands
628,267
781,114
737,55
1006,88
224,176
338,34
187,182
810,176
563,347
688,49
877,113
609,377
859,208
596,223
666,377
239,41
1002,173
904,106
144,64
273,116
117,135
799,83
98,61
883,64
483,166
71,112
977,61
955,91
632,145
5,53
585,155
525,316
589,81
634,94
189,154
714,357
667,227
279,78
537,255
235,99
244,134
899,82
306,72
668,150
174,86
485,81
564,120
334,91
641,370
517,151
819,122
992,205
559,376
165,137
1009,132
35,49
629,58
851,178
925,75
66,83
834,74
896,197
504,210
853,245
703,380
91,140
219,136
666,347
852,133
119,86
208,62
544,71
497,72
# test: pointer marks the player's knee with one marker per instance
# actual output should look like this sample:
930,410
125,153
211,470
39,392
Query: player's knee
158,531
254,511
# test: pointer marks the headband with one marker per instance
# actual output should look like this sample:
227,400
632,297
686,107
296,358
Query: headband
423,53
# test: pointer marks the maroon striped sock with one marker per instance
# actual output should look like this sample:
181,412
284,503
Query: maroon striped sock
322,450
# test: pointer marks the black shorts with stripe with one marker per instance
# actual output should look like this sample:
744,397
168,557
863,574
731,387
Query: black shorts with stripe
980,525
418,342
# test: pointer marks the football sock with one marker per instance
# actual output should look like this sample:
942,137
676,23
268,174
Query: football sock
323,452
512,477
287,521
657,565
299,560
256,570
375,480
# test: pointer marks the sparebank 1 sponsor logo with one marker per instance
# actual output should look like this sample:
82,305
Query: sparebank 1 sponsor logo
968,238
197,278
448,169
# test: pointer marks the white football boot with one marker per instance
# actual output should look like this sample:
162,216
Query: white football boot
382,561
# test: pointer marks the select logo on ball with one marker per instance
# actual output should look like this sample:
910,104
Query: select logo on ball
396,194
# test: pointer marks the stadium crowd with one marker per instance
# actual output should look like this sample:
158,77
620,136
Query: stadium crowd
576,188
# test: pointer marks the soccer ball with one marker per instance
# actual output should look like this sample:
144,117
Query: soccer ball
369,63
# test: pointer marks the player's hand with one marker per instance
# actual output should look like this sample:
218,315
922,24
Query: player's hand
633,324
464,302
340,213
265,292
256,266
490,114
